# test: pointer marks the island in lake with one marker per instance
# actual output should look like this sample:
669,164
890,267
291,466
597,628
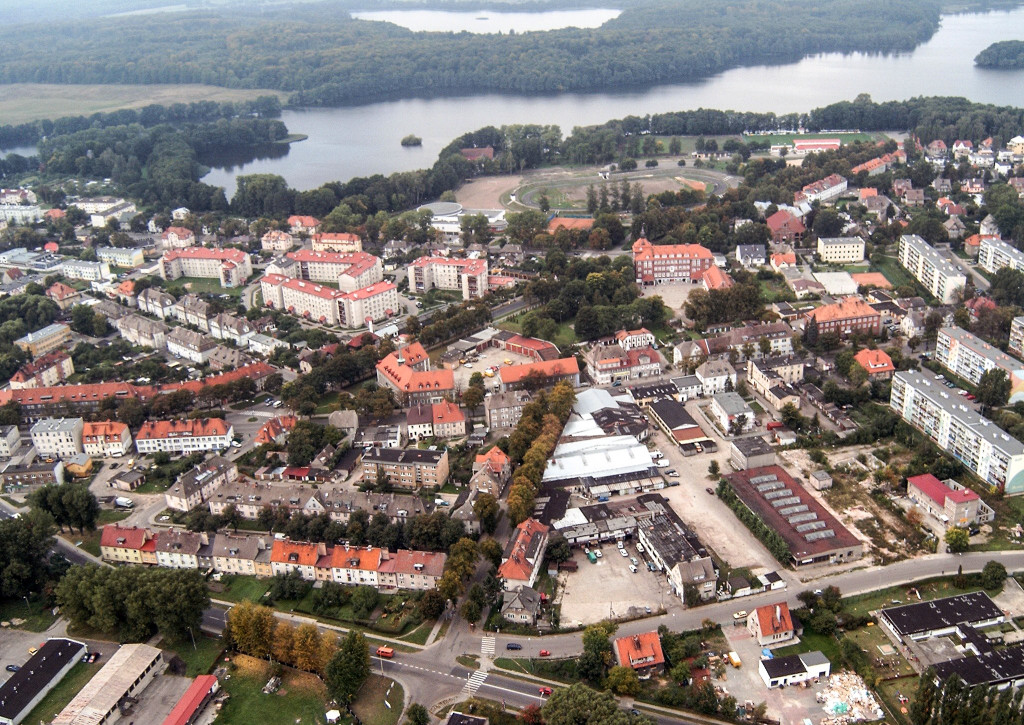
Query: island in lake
1005,55
412,140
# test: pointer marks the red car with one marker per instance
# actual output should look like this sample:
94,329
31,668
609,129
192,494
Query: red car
545,653
544,690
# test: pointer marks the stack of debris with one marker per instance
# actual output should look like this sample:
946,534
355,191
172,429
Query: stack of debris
847,699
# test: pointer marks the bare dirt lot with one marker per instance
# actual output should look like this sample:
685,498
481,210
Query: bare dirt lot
486,192
488,358
673,295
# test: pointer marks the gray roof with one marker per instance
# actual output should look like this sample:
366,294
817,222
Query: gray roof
732,403
926,250
971,608
753,446
673,414
57,425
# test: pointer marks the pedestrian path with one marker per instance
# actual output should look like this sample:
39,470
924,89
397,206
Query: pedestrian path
487,646
474,682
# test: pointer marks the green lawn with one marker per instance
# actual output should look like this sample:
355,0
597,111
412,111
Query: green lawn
420,634
238,588
200,660
38,618
379,701
514,665
894,272
300,701
58,698
565,336
199,285
328,403
90,540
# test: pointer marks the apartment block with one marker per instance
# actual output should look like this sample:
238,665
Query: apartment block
130,257
277,241
849,317
468,276
664,263
10,440
328,305
143,332
1016,345
156,303
196,487
351,271
106,438
411,468
337,242
994,254
978,443
88,271
841,250
936,273
230,266
970,357
504,410
53,368
184,436
45,340
190,345
58,437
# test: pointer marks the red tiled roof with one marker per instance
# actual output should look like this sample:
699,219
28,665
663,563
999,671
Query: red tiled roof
516,567
303,221
447,412
544,369
644,250
771,622
874,361
642,649
844,310
224,255
190,702
305,554
715,278
123,537
495,459
938,492
180,231
104,430
159,429
354,557
781,219
60,291
273,428
530,343
335,237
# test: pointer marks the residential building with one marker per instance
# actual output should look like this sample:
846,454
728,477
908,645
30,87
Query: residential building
610,363
125,544
468,276
288,556
948,501
635,339
539,374
794,669
275,430
277,241
440,420
732,412
876,363
53,368
234,554
936,273
351,271
127,673
970,357
666,263
785,227
411,468
771,624
184,436
841,250
715,279
407,371
741,340
128,257
521,605
524,555
716,376
849,317
378,301
155,302
231,267
228,358
812,534
994,254
750,255
143,332
39,473
43,671
189,345
774,378
226,326
65,297
640,652
107,438
191,310
46,340
58,437
299,224
179,549
10,440
1016,345
197,486
981,446
178,238
503,410
340,242
88,271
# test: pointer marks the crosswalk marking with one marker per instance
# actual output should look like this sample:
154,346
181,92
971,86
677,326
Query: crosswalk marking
475,681
487,646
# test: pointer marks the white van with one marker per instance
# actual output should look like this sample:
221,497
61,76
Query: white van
657,455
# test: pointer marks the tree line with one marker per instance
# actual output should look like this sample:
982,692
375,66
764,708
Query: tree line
1005,55
287,48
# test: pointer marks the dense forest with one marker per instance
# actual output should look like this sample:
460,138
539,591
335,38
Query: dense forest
1006,55
318,52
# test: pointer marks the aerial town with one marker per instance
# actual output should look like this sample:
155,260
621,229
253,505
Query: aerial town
739,442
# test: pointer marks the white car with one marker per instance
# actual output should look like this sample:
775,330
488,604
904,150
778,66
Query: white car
597,553
640,548
624,552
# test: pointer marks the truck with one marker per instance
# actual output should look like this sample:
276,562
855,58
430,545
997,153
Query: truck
385,652
123,502
734,659
592,556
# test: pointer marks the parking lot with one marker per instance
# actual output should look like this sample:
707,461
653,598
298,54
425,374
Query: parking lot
488,358
609,590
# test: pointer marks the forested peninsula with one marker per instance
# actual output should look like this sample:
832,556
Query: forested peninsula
322,56
1007,55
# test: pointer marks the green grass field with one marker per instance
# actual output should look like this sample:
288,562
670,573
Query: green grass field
240,588
38,618
780,138
201,659
58,698
203,285
370,704
23,102
301,699
894,272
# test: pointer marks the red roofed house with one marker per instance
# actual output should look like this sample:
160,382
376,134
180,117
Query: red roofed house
337,242
126,544
55,214
231,266
106,438
487,152
663,263
178,237
287,556
50,369
783,261
191,704
785,227
540,374
877,364
184,436
715,278
771,624
407,372
304,224
641,652
441,420
976,305
275,430
495,461
948,501
63,295
524,555
851,316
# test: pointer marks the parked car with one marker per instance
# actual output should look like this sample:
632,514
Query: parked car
710,490
598,554
513,645
632,568
12,668
624,553
640,547
672,473
545,653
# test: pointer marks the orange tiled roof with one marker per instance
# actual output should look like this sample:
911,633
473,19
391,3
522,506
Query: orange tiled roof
785,258
156,429
715,278
545,368
354,557
303,221
769,623
642,649
305,554
274,427
495,459
843,310
644,250
180,231
60,291
105,430
874,361
123,537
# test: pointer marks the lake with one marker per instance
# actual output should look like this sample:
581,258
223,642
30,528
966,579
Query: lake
486,21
